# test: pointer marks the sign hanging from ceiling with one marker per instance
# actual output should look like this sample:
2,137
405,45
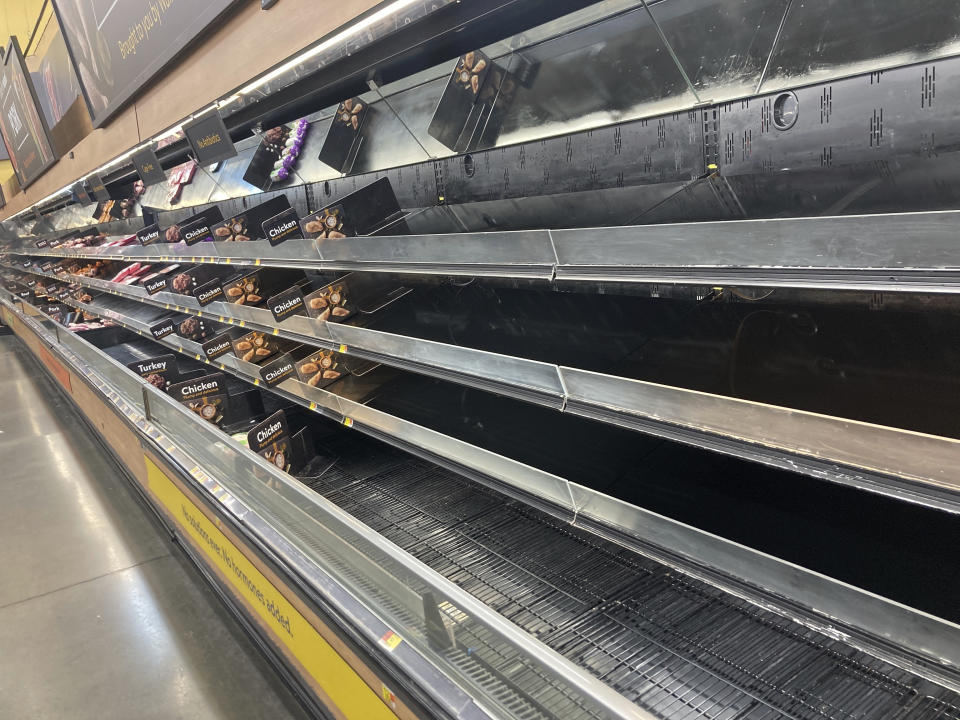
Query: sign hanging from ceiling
209,139
25,134
148,166
117,47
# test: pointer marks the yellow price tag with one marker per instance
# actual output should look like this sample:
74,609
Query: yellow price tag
390,640
343,348
256,381
276,331
313,405
348,421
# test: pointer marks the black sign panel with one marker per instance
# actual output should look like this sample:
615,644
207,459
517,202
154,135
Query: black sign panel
197,228
269,431
209,139
362,212
344,135
80,190
149,235
25,132
163,328
56,82
155,285
219,345
276,371
247,225
283,226
208,292
97,188
197,231
42,243
148,167
117,47
287,303
159,371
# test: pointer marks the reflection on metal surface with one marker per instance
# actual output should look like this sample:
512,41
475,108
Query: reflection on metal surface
923,465
722,45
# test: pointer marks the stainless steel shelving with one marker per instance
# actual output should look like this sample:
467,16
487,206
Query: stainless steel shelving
333,551
868,621
864,252
877,458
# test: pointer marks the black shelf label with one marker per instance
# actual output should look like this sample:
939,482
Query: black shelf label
159,371
149,235
286,304
282,226
269,431
154,286
163,328
208,292
98,189
276,371
219,345
83,197
195,232
197,227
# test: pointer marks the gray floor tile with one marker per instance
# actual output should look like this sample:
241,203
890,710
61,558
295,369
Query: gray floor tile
101,615
146,642
66,515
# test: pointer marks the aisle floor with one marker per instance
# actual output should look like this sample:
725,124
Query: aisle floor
101,614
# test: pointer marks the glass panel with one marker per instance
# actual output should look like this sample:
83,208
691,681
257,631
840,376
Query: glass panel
843,37
126,383
722,45
609,71
412,599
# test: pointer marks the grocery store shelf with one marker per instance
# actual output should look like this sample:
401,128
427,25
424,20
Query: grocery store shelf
877,458
439,448
863,252
864,619
205,454
526,379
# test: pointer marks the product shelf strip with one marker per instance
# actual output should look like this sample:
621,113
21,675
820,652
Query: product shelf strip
864,253
876,458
